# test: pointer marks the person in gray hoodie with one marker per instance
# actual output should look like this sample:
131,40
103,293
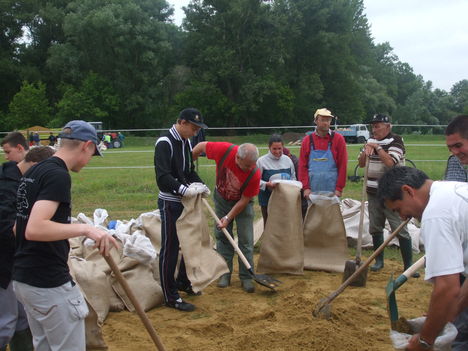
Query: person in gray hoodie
273,165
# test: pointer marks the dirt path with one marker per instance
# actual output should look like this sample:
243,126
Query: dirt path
229,319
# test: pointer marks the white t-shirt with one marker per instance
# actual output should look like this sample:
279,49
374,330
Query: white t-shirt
444,227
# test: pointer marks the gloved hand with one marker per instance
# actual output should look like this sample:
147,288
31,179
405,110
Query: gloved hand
192,192
206,191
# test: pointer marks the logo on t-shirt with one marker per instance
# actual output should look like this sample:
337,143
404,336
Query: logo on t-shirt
22,201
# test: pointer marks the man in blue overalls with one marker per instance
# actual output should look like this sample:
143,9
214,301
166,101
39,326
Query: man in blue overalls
323,158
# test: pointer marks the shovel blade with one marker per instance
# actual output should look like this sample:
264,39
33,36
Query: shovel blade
352,266
266,281
392,307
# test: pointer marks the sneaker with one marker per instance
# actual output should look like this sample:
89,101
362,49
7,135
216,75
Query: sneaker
181,305
224,281
248,285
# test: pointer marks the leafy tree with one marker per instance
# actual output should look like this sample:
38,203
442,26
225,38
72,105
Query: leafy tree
125,42
29,107
94,100
459,93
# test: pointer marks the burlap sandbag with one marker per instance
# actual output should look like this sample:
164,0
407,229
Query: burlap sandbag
96,289
93,331
150,223
282,249
203,264
325,245
146,290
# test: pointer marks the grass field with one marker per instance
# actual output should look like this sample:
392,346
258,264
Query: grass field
123,181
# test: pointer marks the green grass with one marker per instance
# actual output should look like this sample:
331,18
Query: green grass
127,192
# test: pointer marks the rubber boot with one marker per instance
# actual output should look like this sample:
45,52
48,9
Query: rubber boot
407,254
378,240
22,341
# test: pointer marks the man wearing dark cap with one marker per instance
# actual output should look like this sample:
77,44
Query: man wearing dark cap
385,150
41,278
175,172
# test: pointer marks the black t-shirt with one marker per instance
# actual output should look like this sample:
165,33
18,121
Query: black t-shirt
43,263
10,176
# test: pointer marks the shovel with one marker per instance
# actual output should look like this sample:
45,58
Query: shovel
323,308
351,266
141,313
393,285
261,279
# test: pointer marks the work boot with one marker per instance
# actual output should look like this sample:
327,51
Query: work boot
378,240
248,285
224,281
407,254
22,341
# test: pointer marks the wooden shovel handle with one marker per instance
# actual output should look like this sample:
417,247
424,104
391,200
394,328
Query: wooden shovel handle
364,266
361,214
228,236
141,313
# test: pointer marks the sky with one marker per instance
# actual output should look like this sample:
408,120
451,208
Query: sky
430,35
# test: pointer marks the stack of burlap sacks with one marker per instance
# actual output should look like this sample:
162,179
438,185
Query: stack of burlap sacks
102,291
320,242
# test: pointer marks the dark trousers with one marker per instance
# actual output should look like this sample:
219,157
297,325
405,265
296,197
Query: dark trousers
170,211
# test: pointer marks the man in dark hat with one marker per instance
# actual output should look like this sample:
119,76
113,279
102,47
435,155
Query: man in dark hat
175,172
385,150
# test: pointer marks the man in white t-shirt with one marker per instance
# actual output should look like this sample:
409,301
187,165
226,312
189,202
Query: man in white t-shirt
442,208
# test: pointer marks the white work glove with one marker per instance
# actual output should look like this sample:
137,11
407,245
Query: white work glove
206,191
192,192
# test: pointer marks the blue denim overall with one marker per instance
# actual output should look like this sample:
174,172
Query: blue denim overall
323,173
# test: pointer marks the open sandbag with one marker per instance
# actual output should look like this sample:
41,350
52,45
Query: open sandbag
203,264
325,246
282,248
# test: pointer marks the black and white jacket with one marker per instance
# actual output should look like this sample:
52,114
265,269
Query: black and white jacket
173,165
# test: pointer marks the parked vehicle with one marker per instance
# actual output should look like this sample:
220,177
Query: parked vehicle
355,133
110,140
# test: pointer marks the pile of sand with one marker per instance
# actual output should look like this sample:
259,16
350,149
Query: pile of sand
230,319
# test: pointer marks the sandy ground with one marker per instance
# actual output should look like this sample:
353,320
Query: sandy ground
230,319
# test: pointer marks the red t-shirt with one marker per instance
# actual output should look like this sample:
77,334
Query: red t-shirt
230,178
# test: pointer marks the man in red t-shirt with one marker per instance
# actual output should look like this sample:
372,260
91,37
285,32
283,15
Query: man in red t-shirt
237,183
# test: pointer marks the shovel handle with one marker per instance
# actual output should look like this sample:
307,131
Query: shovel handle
364,266
361,214
417,265
229,237
141,313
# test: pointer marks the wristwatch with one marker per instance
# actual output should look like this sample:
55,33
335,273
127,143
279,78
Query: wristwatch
424,344
226,218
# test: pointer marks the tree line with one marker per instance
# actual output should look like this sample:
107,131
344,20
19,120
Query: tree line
241,62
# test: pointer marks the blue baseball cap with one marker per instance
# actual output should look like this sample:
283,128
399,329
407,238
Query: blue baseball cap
81,130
